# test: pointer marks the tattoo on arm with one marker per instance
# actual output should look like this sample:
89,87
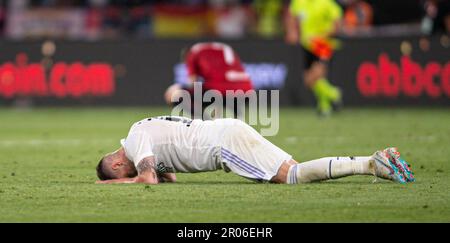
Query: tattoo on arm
146,171
146,164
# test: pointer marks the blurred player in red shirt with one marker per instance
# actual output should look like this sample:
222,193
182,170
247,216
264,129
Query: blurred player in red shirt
215,64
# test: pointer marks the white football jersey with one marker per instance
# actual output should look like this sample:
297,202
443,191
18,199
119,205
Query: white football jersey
178,144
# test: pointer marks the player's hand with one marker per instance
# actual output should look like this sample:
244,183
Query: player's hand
102,182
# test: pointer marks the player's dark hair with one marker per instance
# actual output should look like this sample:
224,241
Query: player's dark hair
102,175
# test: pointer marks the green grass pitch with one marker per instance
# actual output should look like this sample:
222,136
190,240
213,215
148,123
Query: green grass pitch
48,159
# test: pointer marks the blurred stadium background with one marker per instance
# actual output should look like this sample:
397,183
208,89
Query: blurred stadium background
63,61
102,52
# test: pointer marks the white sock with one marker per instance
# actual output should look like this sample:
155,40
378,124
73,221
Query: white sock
328,168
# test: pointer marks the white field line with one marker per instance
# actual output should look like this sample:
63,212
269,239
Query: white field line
339,139
78,142
54,142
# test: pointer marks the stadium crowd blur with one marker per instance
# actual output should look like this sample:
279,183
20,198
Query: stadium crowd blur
227,19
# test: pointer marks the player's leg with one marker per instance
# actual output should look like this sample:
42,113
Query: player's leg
315,79
385,164
326,94
329,168
248,154
322,169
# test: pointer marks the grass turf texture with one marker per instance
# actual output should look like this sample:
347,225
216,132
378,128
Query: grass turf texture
48,159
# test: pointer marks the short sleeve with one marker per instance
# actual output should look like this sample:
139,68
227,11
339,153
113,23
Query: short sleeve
137,147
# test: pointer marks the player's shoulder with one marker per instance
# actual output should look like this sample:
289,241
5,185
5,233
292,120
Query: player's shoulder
201,46
198,47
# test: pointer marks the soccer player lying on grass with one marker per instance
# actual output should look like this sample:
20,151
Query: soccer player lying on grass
156,148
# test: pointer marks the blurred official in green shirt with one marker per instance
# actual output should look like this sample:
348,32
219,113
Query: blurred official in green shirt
312,24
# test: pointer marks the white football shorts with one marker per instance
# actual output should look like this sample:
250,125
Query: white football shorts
245,152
